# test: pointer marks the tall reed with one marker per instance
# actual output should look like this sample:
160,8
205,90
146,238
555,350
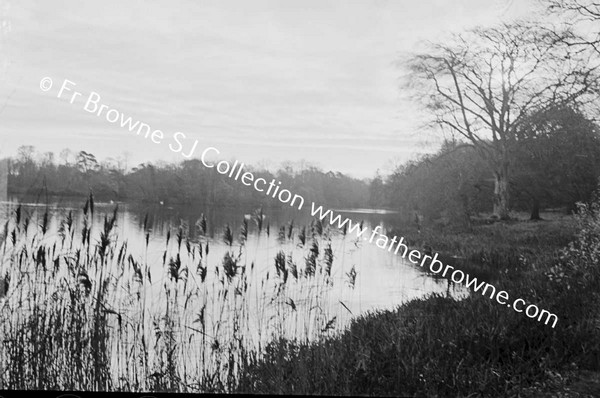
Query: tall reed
82,310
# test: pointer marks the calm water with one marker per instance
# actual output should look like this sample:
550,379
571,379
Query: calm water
383,280
210,316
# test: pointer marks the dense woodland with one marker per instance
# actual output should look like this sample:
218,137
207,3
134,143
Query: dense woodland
189,182
555,165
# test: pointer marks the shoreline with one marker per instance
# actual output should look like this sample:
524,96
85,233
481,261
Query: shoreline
449,343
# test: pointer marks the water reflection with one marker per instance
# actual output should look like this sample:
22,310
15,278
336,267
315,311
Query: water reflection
171,294
383,280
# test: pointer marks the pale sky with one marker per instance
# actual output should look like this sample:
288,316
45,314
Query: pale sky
277,80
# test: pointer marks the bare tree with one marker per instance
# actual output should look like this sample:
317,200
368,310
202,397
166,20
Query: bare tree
583,13
65,155
25,153
483,83
588,9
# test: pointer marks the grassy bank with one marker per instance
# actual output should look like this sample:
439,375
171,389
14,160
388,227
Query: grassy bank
474,347
488,249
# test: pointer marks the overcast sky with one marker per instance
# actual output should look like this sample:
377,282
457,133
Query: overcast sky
277,80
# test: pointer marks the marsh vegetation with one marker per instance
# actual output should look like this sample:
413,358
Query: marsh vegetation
183,309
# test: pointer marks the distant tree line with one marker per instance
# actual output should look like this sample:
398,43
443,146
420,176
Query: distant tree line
189,182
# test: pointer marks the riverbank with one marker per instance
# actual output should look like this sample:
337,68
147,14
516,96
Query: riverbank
442,347
488,249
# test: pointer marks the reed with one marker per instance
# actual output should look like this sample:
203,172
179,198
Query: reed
84,311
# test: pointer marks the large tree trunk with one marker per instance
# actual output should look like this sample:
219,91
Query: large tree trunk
535,209
501,192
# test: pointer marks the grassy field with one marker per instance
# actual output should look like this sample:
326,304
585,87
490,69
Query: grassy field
474,347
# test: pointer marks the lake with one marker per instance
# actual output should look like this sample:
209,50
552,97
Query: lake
383,281
215,280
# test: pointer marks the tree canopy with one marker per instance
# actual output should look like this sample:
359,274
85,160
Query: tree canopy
483,84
